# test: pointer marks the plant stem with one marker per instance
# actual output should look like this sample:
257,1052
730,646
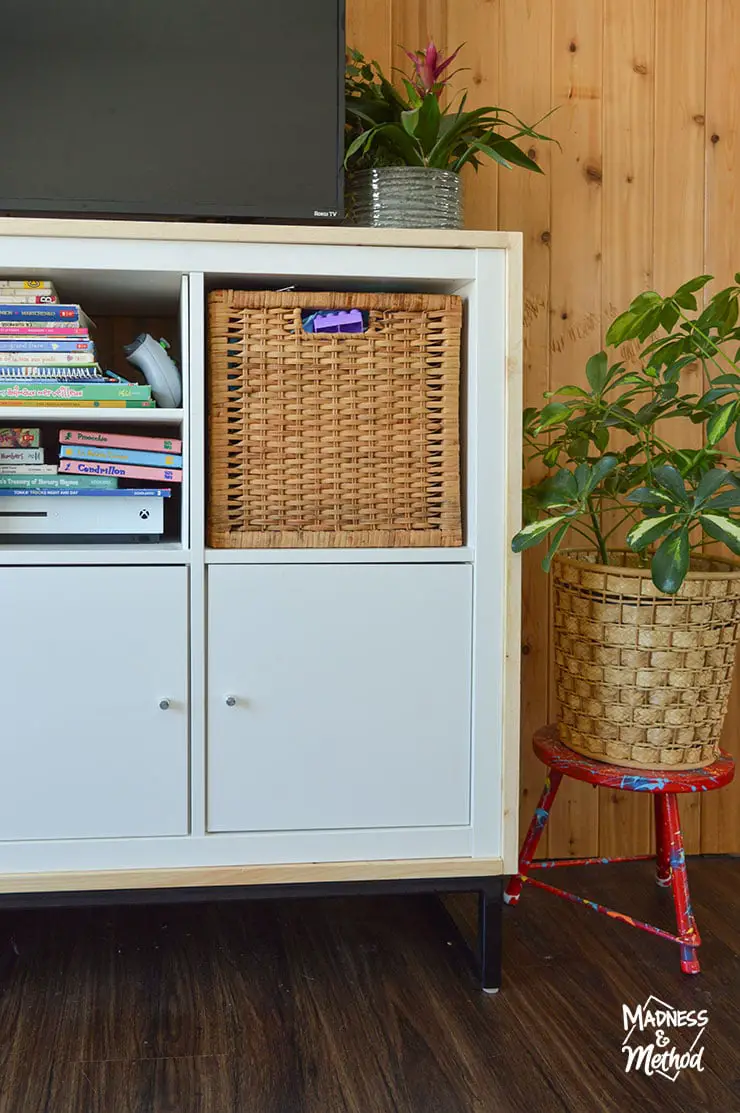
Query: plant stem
717,350
598,534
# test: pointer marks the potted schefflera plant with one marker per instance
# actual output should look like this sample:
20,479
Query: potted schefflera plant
647,605
406,146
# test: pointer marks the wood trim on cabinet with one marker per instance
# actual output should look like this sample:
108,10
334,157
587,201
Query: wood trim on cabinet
192,232
196,877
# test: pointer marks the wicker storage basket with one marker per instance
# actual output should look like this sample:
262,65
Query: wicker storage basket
643,678
333,440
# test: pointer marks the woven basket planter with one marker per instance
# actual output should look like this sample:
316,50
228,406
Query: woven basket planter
320,440
643,678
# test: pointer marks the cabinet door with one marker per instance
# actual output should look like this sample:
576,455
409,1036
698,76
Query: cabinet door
85,750
339,696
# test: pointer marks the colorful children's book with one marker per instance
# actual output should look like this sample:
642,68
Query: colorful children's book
119,492
28,469
43,359
102,482
40,285
50,313
122,471
21,455
32,403
120,455
29,331
84,373
118,440
11,437
17,297
41,392
20,345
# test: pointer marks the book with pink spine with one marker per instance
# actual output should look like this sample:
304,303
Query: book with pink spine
120,471
118,440
34,332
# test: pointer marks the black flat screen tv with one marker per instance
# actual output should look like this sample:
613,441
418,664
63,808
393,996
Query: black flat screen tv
221,109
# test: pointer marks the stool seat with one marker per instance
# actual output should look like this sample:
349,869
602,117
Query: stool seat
670,858
553,753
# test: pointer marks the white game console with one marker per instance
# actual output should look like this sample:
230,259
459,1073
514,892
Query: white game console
105,515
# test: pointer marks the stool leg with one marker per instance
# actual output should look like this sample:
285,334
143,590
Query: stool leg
662,849
679,879
534,834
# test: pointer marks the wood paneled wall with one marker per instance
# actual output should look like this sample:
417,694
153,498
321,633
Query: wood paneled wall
645,192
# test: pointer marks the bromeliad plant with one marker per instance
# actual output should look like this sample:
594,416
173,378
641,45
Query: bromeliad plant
671,498
387,126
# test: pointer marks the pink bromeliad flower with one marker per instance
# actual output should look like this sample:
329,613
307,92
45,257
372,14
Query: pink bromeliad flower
429,66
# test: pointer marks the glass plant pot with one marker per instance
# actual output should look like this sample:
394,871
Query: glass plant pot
404,197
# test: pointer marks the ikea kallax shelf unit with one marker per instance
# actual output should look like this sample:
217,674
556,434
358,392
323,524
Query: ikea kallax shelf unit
178,718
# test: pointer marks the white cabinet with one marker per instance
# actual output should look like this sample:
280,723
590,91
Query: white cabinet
86,750
338,696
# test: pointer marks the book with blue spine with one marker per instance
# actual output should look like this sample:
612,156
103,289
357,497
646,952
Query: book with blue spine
20,346
70,314
119,492
120,455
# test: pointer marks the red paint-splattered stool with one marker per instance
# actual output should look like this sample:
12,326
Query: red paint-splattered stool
669,856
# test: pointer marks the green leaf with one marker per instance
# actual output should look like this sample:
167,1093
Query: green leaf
597,372
551,456
726,380
411,93
725,500
571,392
684,295
600,470
647,496
410,119
737,436
507,153
630,324
582,476
709,483
600,437
532,534
560,489
669,315
649,530
405,145
669,478
427,130
578,448
560,533
553,414
720,422
671,561
358,144
723,529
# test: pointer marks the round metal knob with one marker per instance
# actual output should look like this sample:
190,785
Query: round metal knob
230,701
164,704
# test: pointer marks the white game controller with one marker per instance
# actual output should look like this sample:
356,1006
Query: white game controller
157,368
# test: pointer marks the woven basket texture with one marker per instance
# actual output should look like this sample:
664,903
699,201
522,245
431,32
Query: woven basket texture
333,440
643,678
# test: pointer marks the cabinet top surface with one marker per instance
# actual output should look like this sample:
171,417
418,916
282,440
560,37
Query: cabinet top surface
193,232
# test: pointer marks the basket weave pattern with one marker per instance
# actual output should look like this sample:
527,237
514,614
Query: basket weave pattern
333,440
643,678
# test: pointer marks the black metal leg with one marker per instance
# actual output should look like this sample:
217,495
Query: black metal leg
490,904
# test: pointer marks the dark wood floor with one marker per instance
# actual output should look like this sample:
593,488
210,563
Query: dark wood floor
359,1005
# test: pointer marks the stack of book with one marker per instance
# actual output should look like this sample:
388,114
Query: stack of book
111,455
47,357
31,490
